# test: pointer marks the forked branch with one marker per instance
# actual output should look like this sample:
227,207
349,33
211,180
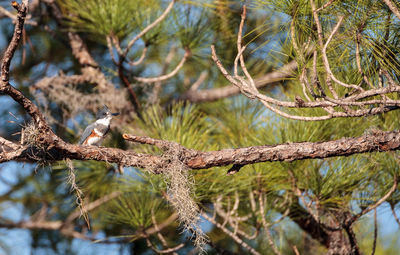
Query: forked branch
356,103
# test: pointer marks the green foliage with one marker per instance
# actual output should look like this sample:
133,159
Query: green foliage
106,17
193,28
185,125
134,209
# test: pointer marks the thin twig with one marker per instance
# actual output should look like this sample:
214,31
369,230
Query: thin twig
202,77
325,5
159,235
378,203
148,28
141,58
235,238
166,76
392,207
375,233
266,226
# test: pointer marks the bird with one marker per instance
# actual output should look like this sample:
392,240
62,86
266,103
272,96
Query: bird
96,132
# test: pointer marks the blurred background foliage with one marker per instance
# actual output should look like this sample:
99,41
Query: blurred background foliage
338,184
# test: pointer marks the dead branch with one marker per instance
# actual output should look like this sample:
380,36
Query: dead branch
266,225
148,28
325,5
168,250
392,208
159,235
166,76
8,55
210,95
375,205
237,239
13,17
375,233
358,97
392,7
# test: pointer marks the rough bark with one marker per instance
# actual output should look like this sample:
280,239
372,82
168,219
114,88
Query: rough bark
56,149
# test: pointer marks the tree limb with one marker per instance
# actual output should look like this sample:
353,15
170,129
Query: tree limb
392,7
56,149
210,95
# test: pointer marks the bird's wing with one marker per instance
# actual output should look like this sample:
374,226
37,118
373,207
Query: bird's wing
86,133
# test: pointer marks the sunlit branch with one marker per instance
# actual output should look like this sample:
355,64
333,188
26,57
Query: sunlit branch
148,28
392,7
166,76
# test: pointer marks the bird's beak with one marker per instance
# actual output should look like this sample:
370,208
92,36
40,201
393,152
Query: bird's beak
115,114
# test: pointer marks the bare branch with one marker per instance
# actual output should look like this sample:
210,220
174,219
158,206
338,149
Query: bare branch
232,235
379,141
209,95
16,38
249,89
93,205
265,225
378,203
168,250
392,7
80,51
326,61
159,235
375,233
325,5
202,77
392,207
14,17
166,76
5,86
148,28
141,58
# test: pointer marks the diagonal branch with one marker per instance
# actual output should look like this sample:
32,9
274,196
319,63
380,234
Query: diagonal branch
375,205
9,54
148,28
210,95
392,7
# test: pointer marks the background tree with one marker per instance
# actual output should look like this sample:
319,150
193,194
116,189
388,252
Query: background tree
257,127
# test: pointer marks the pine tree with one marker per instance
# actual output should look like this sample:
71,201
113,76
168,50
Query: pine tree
246,127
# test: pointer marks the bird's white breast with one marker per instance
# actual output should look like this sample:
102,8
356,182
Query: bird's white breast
94,140
104,121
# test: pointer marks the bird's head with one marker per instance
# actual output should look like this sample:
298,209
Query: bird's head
105,113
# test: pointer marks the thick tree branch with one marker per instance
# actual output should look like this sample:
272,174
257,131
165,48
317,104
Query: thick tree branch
379,141
59,150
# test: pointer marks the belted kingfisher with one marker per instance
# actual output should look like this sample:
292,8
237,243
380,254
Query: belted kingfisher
95,132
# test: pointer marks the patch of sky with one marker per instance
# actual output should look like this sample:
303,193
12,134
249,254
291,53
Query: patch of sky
15,241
